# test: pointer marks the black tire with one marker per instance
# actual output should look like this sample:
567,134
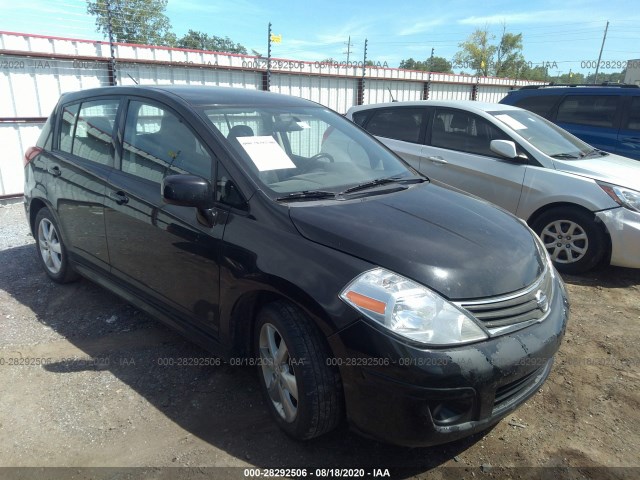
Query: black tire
51,249
319,404
582,244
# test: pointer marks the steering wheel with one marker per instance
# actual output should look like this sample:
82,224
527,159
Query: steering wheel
315,160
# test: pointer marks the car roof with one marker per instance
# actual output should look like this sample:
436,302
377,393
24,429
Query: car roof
621,89
469,105
199,95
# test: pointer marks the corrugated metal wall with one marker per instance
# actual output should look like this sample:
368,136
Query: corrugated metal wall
336,93
378,91
15,138
36,70
446,91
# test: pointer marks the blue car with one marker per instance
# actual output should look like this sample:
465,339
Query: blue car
605,116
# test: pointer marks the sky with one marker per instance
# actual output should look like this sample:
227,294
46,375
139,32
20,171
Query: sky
563,35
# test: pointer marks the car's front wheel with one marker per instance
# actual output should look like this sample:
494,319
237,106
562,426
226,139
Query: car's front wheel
302,388
574,241
51,249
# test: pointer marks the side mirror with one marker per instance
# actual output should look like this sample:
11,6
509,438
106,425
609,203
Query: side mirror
187,191
504,148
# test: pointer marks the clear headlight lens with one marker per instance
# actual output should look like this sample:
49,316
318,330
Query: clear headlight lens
622,196
410,309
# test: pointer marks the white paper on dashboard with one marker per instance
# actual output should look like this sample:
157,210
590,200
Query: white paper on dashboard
265,153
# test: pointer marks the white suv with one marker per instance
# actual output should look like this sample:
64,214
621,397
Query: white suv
583,202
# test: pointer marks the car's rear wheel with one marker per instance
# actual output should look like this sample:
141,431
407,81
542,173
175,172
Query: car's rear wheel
302,389
51,249
574,241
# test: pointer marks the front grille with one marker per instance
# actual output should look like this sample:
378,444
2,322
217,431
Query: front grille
511,312
512,389
511,393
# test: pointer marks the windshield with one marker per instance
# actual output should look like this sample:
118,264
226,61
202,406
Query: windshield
303,149
544,135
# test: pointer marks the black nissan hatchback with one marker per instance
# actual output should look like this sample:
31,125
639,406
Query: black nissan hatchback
276,233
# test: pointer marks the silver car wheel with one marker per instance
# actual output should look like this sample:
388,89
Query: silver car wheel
566,241
278,372
50,247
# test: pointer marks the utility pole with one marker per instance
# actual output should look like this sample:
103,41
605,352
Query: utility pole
431,60
595,80
112,60
268,86
364,72
348,52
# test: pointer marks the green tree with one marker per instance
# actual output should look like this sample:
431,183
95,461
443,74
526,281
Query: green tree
480,52
477,52
509,61
203,41
538,73
133,21
435,64
438,64
614,77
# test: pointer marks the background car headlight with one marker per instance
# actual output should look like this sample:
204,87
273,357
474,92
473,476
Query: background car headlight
410,309
622,196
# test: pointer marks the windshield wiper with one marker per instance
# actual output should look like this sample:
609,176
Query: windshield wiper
601,153
306,195
565,155
377,182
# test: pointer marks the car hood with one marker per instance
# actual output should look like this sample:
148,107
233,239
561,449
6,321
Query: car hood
614,169
457,245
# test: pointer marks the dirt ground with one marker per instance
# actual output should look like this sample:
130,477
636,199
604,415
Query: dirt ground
104,396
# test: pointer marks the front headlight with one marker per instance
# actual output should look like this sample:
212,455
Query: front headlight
410,309
622,196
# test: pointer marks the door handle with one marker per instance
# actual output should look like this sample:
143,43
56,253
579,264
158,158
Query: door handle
55,171
437,160
119,197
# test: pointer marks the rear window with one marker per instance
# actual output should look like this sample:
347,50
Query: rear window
540,104
593,110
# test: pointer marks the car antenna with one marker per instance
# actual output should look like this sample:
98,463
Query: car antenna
392,99
134,80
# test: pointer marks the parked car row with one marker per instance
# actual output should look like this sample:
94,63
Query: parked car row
272,229
582,201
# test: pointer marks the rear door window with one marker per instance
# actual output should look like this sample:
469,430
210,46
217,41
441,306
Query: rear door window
403,124
92,137
592,110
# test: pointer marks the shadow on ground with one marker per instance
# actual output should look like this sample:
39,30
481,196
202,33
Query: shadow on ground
221,404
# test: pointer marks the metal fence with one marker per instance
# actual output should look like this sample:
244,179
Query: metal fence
36,69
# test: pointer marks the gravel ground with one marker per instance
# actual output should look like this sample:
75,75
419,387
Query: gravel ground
103,396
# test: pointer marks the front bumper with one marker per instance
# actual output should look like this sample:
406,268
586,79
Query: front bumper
623,226
402,394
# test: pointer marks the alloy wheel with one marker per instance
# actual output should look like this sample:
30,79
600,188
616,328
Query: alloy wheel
50,247
278,372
